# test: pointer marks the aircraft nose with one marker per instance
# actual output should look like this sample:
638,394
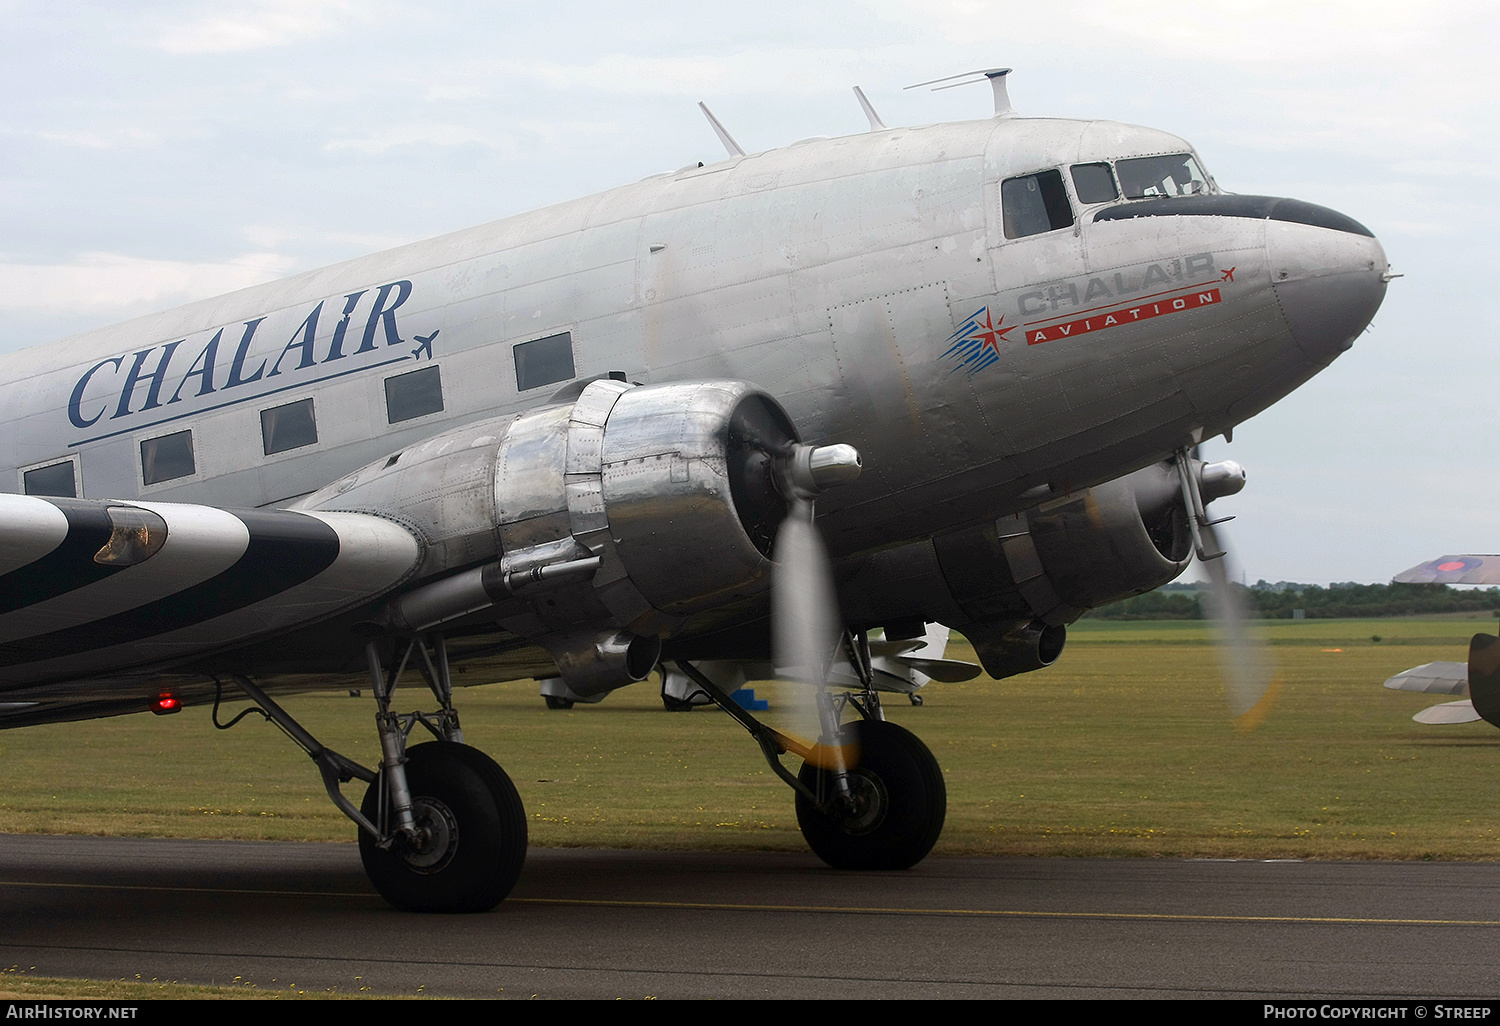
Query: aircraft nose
1329,278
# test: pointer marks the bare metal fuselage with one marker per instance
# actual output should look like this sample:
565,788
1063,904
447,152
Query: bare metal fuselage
866,282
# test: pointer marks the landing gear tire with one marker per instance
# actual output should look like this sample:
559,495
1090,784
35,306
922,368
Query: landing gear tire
896,807
671,704
554,702
471,827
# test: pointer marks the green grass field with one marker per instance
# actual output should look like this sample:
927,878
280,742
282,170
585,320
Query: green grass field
1123,748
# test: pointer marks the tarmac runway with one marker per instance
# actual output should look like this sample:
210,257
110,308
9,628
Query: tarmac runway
633,924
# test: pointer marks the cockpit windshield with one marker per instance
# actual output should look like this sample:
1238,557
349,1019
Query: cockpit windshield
1175,174
1038,203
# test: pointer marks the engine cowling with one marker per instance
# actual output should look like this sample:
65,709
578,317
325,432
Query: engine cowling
671,486
1072,554
1012,585
594,526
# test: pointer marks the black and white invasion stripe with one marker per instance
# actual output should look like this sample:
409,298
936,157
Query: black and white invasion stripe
222,577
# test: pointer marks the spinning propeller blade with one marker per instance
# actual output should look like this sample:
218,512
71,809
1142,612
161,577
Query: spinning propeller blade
805,621
805,624
1250,681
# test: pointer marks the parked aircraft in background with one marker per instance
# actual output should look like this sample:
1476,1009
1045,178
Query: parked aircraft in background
1479,678
897,665
569,445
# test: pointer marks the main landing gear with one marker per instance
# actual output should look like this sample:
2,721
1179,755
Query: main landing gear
468,836
869,795
441,827
891,809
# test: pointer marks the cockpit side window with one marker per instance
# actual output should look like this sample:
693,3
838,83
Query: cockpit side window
1094,183
1033,204
1175,174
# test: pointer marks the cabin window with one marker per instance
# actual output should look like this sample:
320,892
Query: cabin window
408,396
56,479
1033,204
544,361
1176,174
167,458
288,427
1094,183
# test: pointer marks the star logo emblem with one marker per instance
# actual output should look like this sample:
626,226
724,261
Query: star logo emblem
992,334
976,344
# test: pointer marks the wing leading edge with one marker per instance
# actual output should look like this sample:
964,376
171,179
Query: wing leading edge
96,586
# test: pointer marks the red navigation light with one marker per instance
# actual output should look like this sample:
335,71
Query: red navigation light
165,703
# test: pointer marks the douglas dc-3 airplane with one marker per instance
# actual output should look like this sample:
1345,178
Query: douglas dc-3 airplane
565,444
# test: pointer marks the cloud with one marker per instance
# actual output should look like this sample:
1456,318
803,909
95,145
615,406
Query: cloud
103,137
126,285
761,71
260,24
414,135
106,138
1287,32
268,237
547,134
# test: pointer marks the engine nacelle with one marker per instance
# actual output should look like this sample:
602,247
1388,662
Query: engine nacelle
595,526
672,486
1013,584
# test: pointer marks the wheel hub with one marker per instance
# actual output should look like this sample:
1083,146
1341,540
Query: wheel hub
864,808
436,839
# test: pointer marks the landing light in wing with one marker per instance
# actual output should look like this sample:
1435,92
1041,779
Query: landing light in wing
136,535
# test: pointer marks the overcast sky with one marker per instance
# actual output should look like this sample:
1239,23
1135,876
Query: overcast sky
156,152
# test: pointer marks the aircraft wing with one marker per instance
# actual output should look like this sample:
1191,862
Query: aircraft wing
1440,678
1453,570
92,587
1479,678
1449,712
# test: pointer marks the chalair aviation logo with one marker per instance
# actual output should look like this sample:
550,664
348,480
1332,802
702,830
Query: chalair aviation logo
976,344
367,335
1069,308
